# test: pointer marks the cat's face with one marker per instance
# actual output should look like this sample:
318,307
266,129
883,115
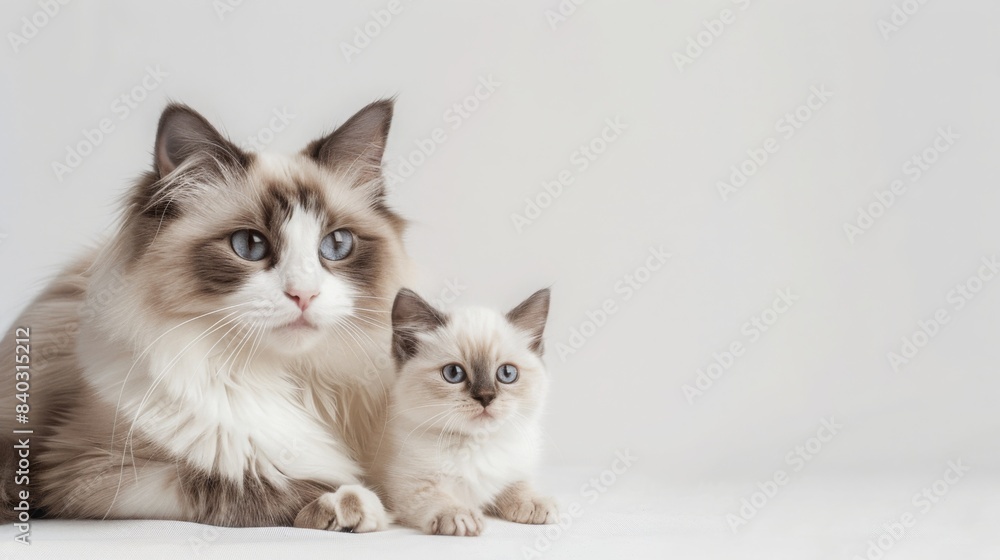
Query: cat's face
469,370
280,251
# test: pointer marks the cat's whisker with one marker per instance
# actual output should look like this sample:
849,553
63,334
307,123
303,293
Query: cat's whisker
214,327
385,392
379,311
231,342
374,344
255,346
378,448
128,445
226,365
121,392
373,322
233,325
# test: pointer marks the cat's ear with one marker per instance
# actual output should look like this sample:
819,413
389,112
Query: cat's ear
356,148
411,315
530,316
184,134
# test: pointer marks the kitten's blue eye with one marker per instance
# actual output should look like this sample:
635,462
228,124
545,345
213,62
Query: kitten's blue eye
250,245
337,246
453,373
507,374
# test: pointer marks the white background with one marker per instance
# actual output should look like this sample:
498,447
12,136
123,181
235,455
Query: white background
655,186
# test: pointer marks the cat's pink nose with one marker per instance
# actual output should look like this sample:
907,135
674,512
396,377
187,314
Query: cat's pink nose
302,298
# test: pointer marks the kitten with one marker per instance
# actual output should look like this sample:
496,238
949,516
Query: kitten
216,361
463,435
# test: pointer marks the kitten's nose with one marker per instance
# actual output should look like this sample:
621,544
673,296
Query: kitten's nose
484,398
302,298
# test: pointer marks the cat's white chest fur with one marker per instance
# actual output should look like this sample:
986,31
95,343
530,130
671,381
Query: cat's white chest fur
479,468
223,415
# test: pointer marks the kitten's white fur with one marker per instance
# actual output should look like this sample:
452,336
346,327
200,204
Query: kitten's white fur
443,463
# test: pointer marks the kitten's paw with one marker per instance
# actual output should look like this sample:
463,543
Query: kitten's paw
457,521
351,509
535,511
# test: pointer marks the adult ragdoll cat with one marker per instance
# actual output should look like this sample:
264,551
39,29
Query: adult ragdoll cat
463,435
215,361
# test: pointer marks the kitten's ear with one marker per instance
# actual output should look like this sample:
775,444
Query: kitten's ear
411,315
530,316
358,145
183,134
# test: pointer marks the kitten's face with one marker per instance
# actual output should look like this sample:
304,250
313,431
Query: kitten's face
280,251
471,370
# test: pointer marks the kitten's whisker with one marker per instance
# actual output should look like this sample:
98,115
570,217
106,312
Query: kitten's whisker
431,419
445,431
401,412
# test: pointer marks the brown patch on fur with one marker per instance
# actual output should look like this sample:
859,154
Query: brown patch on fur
54,373
100,473
357,145
218,273
315,515
530,316
519,503
411,315
254,503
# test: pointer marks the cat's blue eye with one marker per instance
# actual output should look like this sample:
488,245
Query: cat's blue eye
337,246
250,245
453,373
507,373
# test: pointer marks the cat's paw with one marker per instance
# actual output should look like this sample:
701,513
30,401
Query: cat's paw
457,521
534,511
351,509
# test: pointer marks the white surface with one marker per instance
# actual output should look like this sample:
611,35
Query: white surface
638,518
